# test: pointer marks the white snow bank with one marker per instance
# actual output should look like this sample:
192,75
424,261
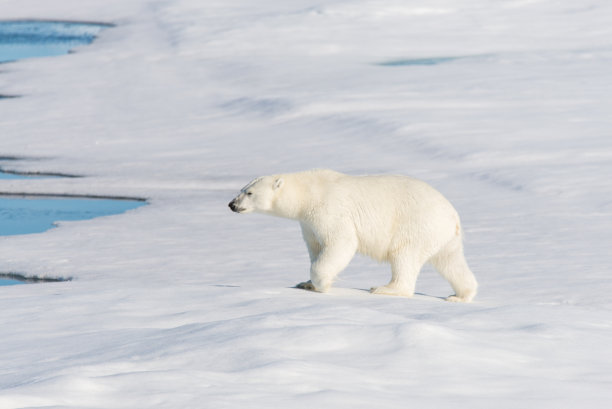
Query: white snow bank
184,304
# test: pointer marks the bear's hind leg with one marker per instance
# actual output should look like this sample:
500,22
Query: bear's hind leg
450,263
405,269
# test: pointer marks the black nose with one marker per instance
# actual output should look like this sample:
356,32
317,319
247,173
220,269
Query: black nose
232,205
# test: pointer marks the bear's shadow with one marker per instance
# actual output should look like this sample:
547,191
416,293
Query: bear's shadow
348,291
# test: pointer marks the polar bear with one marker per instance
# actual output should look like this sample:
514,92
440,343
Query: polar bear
395,219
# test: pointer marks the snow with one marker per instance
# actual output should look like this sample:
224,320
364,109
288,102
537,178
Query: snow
183,304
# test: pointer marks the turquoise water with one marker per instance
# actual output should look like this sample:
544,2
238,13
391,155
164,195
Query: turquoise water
11,176
36,215
428,61
31,38
419,61
5,281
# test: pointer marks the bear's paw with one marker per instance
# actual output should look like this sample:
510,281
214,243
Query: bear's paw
391,290
306,285
454,298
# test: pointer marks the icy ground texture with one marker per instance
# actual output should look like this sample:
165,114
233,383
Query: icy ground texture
183,304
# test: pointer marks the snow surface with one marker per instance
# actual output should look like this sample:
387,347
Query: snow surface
183,304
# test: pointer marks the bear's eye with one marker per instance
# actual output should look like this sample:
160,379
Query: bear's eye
249,193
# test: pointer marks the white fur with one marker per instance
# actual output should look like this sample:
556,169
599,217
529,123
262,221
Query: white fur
395,219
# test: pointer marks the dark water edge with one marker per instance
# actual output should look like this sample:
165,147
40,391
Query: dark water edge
13,174
7,279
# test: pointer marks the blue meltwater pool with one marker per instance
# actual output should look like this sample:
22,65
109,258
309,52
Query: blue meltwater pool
21,39
8,281
33,38
26,215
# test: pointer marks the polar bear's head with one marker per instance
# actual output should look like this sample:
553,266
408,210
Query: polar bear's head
258,196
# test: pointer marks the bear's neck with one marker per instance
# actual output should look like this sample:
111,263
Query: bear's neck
293,199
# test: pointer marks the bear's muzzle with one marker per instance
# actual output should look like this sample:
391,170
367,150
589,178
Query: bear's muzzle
232,205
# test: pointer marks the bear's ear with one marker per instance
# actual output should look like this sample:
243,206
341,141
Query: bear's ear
278,183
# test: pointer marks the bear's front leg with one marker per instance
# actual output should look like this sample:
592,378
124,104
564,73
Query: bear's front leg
332,259
319,282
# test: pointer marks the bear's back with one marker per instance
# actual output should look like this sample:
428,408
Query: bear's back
387,210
